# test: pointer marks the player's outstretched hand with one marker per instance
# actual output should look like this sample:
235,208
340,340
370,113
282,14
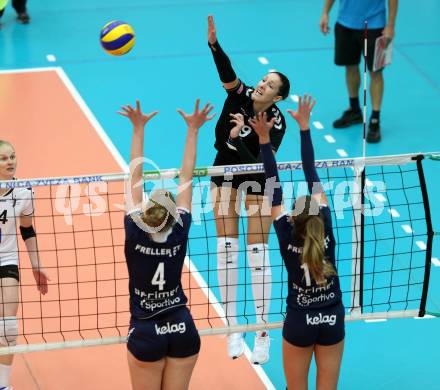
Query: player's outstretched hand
136,116
212,34
302,115
238,121
262,126
198,118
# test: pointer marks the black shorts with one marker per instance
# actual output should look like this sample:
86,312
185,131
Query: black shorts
10,271
252,184
349,45
172,334
324,326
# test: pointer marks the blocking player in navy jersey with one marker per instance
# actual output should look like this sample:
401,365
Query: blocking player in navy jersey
315,313
16,208
237,144
163,342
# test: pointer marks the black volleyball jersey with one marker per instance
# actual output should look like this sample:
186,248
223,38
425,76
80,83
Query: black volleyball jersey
239,101
303,291
155,268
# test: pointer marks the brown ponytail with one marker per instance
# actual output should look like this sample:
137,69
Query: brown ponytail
157,214
309,228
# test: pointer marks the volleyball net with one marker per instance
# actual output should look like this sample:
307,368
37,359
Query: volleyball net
382,225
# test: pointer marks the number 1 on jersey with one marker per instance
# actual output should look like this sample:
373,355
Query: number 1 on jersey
305,268
159,276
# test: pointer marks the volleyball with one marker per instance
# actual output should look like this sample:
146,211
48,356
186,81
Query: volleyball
117,38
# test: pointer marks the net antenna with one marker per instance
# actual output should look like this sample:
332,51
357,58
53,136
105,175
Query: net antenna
358,202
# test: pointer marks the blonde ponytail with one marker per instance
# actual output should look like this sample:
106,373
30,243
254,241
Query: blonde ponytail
313,250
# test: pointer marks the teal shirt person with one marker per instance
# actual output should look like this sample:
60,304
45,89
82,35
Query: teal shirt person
353,13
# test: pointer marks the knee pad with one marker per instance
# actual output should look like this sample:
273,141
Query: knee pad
227,252
258,259
8,331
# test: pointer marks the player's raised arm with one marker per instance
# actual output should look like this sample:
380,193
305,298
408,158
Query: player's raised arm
222,61
262,127
138,120
302,117
194,121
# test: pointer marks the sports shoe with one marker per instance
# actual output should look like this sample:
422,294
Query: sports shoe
260,354
235,345
348,118
23,18
373,135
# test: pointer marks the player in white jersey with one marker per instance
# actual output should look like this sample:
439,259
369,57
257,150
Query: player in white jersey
16,208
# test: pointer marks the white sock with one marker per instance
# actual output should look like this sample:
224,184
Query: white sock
261,273
227,267
5,376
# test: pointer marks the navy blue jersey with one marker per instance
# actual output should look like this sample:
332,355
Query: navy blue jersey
239,101
155,268
304,292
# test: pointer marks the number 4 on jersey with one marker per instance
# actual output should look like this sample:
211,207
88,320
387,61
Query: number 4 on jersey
159,276
4,217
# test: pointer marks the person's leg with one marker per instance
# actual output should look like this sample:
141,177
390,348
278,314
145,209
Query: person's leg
9,300
348,54
258,223
353,82
224,200
376,92
296,363
226,219
328,363
145,375
177,373
20,8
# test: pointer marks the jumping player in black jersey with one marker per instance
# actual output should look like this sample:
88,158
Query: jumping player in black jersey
163,342
16,208
315,313
237,143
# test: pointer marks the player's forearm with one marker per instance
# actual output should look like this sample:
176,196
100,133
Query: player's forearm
189,156
328,4
308,161
392,12
32,249
223,63
272,177
136,154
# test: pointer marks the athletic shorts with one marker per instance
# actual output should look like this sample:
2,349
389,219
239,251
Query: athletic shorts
173,334
10,271
349,45
324,326
255,183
